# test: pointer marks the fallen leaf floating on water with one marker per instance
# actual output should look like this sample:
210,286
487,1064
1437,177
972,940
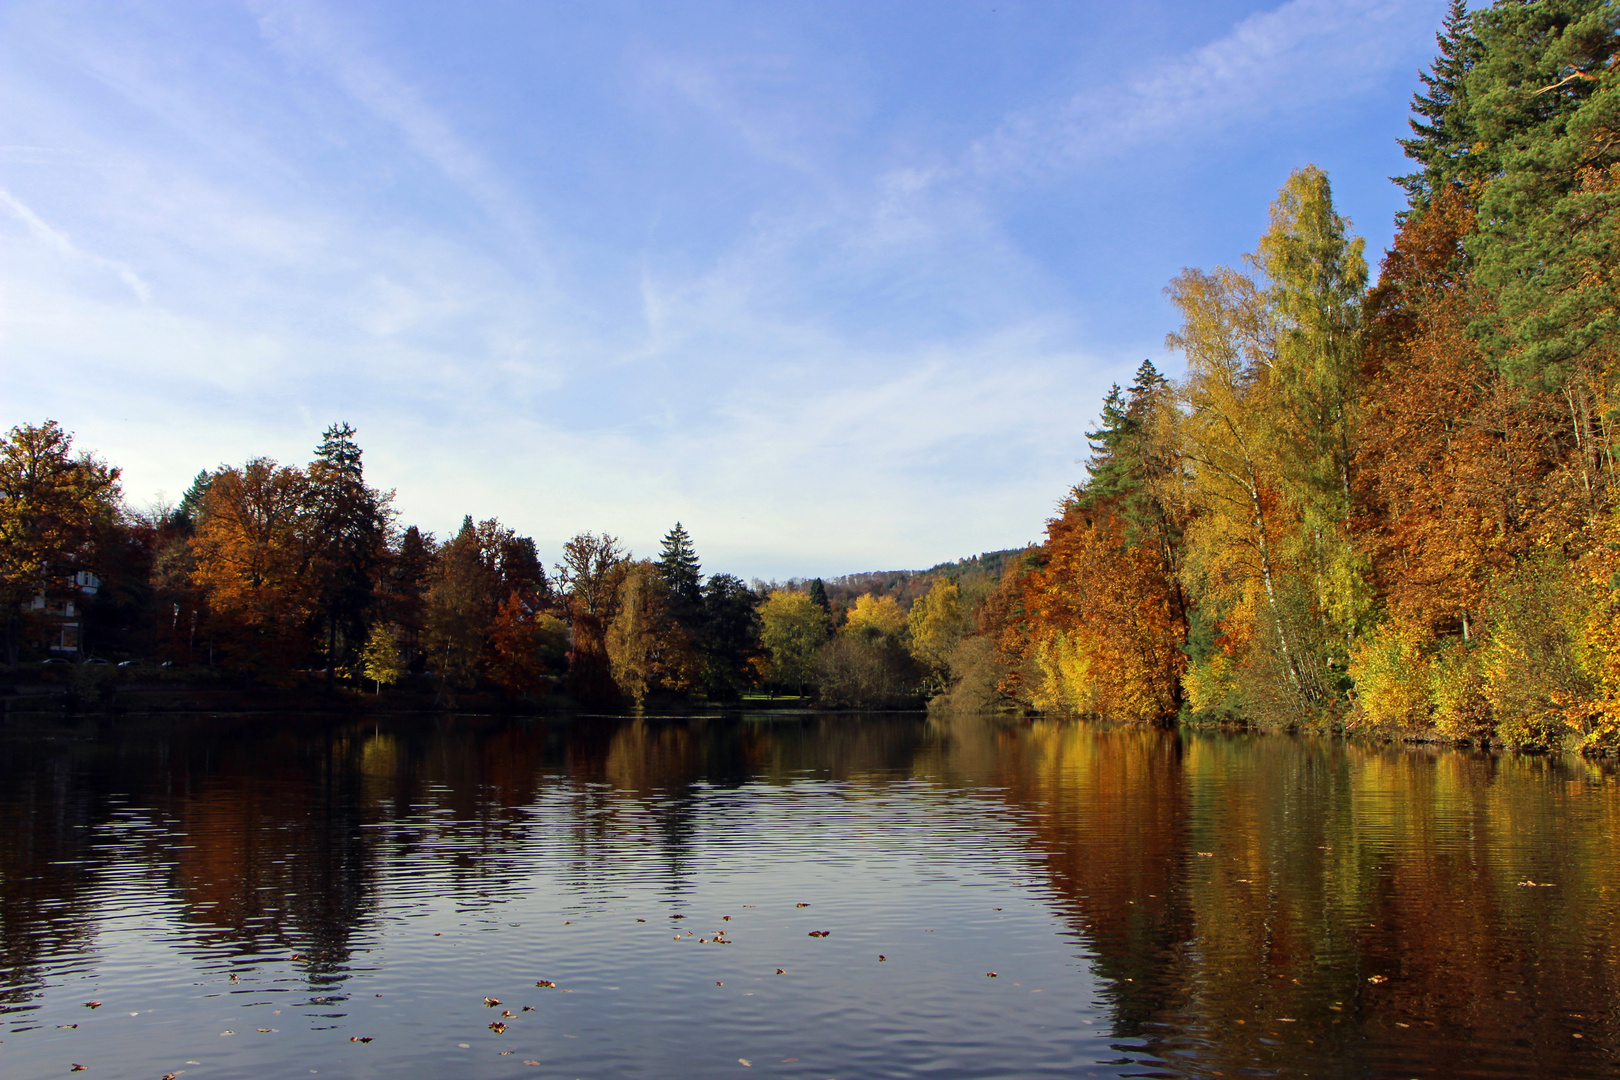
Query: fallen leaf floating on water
59,1027
745,1062
882,957
990,975
801,905
171,1076
528,1008
1376,979
235,977
718,983
821,933
92,1004
508,1013
1206,854
641,920
677,916
507,1053
360,1038
498,1028
267,1030
545,982
725,918
226,1032
1538,884
490,1003
531,1062
781,971
78,1068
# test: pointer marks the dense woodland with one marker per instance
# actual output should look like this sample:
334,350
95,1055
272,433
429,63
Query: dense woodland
1387,506
1383,505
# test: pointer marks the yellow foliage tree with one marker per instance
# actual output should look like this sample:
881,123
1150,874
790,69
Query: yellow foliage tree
876,616
937,623
793,627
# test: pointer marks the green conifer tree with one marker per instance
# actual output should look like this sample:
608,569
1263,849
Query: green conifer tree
682,573
1442,130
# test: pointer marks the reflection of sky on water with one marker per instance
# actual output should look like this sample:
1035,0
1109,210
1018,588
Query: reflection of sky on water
1143,897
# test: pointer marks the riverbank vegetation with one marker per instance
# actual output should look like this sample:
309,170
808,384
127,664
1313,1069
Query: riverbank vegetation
1386,506
1381,504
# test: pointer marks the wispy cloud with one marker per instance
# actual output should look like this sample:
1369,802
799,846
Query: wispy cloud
60,242
308,33
1285,60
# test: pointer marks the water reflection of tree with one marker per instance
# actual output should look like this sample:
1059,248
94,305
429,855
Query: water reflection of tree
1286,907
45,912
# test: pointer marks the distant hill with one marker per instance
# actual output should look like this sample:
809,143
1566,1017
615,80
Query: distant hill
977,576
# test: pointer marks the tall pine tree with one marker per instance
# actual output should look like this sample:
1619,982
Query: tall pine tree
1442,130
682,573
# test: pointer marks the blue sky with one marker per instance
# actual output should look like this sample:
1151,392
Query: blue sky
840,286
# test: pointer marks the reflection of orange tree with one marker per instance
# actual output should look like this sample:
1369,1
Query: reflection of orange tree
1241,893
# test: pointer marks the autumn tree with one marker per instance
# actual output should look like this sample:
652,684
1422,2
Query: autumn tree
588,577
252,556
937,623
460,606
1316,275
525,644
55,507
792,628
647,648
1104,611
380,660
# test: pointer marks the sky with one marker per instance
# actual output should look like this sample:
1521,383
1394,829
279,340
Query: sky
839,286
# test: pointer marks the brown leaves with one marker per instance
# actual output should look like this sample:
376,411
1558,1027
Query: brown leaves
498,1028
545,982
821,933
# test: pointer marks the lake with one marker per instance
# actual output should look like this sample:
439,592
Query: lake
796,896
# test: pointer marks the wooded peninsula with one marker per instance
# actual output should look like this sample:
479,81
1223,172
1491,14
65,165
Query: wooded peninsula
1379,506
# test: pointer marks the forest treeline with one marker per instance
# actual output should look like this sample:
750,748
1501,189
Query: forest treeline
288,574
1387,505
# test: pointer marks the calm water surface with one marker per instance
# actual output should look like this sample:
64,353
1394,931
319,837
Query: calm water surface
299,897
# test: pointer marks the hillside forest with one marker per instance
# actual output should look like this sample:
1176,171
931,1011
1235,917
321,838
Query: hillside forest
1383,504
